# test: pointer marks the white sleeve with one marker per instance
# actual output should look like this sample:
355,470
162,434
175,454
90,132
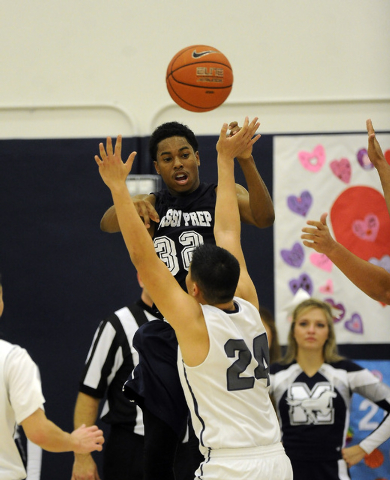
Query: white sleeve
366,384
25,391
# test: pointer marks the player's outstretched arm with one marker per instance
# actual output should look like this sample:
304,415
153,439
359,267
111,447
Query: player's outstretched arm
227,226
256,207
40,430
371,279
376,156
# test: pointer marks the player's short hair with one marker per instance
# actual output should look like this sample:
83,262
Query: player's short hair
216,271
167,130
330,346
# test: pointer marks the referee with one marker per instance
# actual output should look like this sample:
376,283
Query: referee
110,361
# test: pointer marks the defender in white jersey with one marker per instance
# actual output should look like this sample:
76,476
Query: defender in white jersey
236,370
21,403
224,355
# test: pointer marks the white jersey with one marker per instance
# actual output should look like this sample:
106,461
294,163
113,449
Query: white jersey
228,393
20,396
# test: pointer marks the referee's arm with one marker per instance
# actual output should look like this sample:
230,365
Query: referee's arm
85,412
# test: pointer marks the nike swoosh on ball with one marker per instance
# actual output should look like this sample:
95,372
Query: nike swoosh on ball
201,54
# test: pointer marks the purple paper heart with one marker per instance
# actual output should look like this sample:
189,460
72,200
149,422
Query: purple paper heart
300,205
336,306
303,281
383,262
355,324
363,159
295,256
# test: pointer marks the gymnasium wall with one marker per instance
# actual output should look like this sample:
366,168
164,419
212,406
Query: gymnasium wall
74,72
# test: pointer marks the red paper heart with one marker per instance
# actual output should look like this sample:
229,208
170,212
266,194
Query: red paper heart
352,205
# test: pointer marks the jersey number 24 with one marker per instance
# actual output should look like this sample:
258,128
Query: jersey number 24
235,379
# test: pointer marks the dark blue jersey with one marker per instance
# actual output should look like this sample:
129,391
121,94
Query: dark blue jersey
186,222
314,411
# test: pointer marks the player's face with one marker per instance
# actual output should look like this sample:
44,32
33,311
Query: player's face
177,163
311,329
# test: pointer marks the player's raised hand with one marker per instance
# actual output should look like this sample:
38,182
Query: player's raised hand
246,154
232,145
111,167
318,237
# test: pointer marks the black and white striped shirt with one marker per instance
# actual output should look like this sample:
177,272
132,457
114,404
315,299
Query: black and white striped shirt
110,361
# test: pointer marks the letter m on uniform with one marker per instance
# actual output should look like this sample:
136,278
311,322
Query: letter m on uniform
311,406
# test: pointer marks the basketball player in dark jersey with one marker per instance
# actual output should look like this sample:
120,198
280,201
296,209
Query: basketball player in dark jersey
179,218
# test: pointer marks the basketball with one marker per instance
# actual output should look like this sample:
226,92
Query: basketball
199,78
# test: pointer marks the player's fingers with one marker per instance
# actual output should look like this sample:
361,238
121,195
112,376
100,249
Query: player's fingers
109,146
254,123
143,212
254,139
246,123
97,160
234,131
323,218
309,236
130,160
369,126
152,213
245,131
315,223
311,231
102,151
233,128
308,244
252,127
224,130
118,145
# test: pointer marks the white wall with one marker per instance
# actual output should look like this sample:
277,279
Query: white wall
93,67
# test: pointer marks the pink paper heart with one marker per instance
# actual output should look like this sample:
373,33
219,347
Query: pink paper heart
366,229
313,161
327,288
355,324
321,261
342,169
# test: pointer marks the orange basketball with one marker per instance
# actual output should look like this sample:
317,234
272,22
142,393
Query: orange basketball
199,78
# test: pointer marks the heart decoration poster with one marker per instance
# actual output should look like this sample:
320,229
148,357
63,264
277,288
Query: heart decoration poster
331,173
